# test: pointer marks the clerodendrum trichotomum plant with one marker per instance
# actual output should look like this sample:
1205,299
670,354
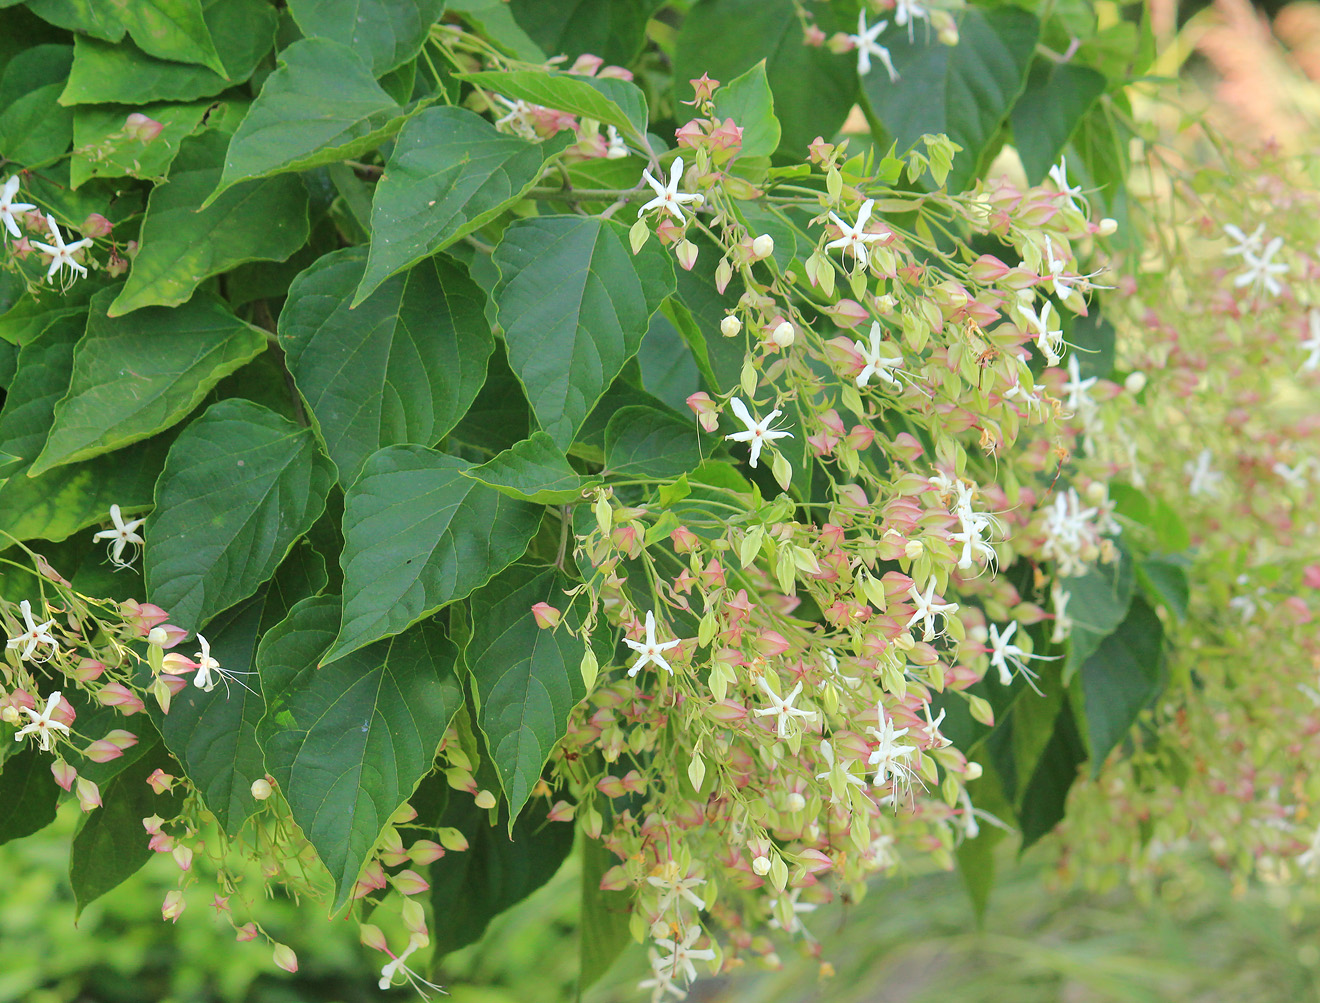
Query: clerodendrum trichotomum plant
433,431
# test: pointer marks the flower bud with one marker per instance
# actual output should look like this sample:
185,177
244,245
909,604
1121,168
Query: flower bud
95,225
425,851
261,788
783,335
88,670
1135,382
1107,227
173,906
409,882
795,802
102,751
452,839
761,865
10,715
414,917
160,781
64,774
485,800
686,251
763,246
546,615
284,957
166,635
730,326
142,127
183,856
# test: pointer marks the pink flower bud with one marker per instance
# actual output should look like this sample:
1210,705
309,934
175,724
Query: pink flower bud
284,957
102,751
152,824
142,128
409,882
546,615
452,839
161,842
987,268
89,795
561,811
403,814
814,861
95,225
49,573
166,635
64,774
684,540
177,664
615,879
142,616
371,937
728,711
119,695
22,248
847,313
87,670
861,437
586,64
160,781
183,856
689,134
687,254
610,786
1311,576
246,932
174,905
425,851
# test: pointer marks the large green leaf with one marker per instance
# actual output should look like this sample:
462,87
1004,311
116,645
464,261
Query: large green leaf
1097,603
110,846
1056,99
497,870
615,30
134,376
36,129
646,442
964,91
418,534
748,101
1121,679
574,303
609,101
256,482
103,149
533,470
450,172
28,794
104,72
603,917
171,29
348,742
86,17
214,735
1047,791
45,365
403,367
182,244
387,33
813,88
526,679
320,106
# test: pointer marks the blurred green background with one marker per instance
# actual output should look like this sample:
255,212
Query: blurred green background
915,941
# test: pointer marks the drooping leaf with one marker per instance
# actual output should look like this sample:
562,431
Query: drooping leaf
965,92
615,30
418,534
574,303
104,72
103,149
1121,679
256,482
813,88
748,101
1097,603
534,470
134,376
450,172
495,872
28,795
320,106
110,845
401,368
1057,97
607,100
214,735
349,741
183,244
642,441
387,33
1045,794
526,679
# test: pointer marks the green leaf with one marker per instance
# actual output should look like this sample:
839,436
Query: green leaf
418,534
450,172
574,303
495,872
964,91
603,918
28,794
35,129
387,33
813,88
1098,601
1056,99
401,368
1094,338
320,106
256,482
527,680
214,735
668,366
534,470
349,741
609,101
747,100
134,376
45,365
499,418
110,846
1121,679
86,17
183,244
242,31
641,441
976,865
102,148
1165,582
615,30
171,29
1046,793
492,19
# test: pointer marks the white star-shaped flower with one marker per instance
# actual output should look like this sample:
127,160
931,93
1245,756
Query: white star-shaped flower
853,239
668,197
1261,269
1202,478
32,635
681,954
876,364
758,433
42,725
650,650
205,666
61,254
888,756
1005,656
518,120
1059,175
867,46
1047,340
908,12
927,610
674,885
1312,344
123,535
1246,243
9,208
782,707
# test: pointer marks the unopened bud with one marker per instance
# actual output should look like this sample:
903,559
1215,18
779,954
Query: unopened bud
173,906
95,225
913,549
686,252
973,771
730,326
142,127
284,957
485,799
546,615
1107,227
1135,383
783,335
763,246
795,802
761,865
261,789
